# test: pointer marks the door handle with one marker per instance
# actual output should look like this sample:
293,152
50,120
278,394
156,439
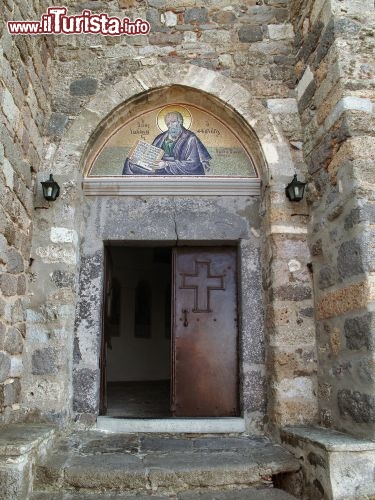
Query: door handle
185,312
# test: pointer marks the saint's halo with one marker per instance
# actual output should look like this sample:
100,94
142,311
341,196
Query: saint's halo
170,109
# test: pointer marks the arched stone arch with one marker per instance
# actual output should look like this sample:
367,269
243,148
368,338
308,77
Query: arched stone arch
273,147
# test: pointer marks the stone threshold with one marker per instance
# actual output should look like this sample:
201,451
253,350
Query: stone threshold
172,425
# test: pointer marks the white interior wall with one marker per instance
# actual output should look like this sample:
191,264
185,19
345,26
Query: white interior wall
135,359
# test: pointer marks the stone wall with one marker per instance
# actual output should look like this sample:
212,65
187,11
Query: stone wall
242,52
24,86
293,390
335,74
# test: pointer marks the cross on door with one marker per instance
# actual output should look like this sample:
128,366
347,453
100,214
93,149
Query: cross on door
202,282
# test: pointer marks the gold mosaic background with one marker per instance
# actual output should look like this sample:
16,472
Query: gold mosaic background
229,156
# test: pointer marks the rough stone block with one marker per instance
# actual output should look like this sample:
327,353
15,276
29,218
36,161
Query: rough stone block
280,31
3,245
358,406
307,97
249,34
167,38
8,284
8,174
14,479
66,105
126,4
224,17
350,259
10,109
10,393
217,37
156,3
13,343
353,474
15,263
335,465
305,81
84,87
57,254
292,292
16,366
153,17
325,42
5,366
63,235
2,330
93,5
311,41
21,284
282,106
317,248
44,361
362,214
360,332
254,384
63,279
56,124
197,15
327,277
170,18
263,14
85,385
347,103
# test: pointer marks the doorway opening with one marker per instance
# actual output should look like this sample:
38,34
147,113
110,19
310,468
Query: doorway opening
170,343
137,332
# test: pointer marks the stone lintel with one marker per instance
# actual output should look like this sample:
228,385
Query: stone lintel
198,186
327,439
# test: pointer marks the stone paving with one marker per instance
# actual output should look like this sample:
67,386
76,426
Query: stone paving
96,465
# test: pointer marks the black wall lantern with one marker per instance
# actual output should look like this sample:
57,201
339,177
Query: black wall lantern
51,189
295,189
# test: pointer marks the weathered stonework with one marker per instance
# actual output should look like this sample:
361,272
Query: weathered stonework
330,463
330,95
24,90
298,76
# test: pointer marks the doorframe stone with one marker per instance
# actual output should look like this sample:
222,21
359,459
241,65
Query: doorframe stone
222,221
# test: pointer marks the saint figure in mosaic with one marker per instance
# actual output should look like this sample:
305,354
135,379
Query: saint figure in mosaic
181,151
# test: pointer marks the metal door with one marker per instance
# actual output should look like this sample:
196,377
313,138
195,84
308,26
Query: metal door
204,349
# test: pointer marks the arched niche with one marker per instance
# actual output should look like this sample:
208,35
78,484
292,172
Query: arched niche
236,159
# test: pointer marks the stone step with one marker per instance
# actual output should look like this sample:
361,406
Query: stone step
148,463
21,446
206,494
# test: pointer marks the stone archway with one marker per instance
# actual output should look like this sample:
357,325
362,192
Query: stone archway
70,154
68,243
